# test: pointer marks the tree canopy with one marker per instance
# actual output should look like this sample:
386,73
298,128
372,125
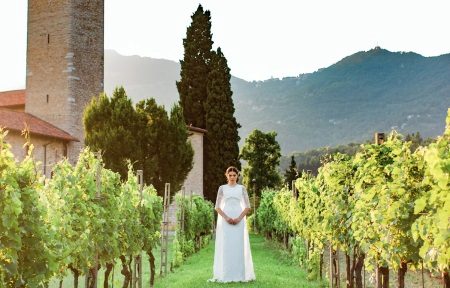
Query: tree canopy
262,153
206,99
144,135
195,68
221,142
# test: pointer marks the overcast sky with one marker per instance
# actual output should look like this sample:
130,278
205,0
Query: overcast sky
260,38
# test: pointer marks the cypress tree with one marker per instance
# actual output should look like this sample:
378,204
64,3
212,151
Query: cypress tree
221,141
195,68
291,173
205,98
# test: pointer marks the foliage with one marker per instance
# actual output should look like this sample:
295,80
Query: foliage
262,153
266,213
194,227
206,99
10,210
107,123
82,217
179,159
309,214
150,210
279,214
336,189
166,152
299,251
154,142
195,68
129,229
291,173
25,258
177,258
388,202
221,140
312,159
387,182
433,208
280,202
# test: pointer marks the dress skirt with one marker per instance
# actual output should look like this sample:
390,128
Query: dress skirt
232,255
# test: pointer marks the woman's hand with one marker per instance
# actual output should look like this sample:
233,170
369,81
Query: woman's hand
237,220
230,220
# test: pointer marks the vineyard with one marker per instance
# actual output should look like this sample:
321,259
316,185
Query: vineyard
82,219
386,208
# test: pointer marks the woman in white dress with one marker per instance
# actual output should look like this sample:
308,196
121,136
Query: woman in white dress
232,256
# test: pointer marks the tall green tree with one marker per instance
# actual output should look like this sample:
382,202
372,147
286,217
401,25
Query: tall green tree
262,153
221,142
110,125
179,163
167,154
206,99
291,173
195,68
144,135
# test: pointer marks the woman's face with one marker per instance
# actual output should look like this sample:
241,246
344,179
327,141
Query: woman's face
232,177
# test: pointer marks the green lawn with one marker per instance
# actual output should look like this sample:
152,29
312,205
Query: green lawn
273,268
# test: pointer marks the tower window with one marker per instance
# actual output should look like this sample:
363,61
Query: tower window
47,98
48,38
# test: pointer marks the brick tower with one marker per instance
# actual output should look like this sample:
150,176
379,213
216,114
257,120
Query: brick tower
64,62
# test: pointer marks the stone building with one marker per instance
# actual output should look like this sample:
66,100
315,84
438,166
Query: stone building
64,70
194,180
64,63
50,143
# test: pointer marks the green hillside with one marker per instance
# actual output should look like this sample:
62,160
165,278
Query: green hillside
375,90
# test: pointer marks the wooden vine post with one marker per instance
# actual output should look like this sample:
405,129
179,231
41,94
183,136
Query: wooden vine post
334,268
165,231
294,190
182,211
91,278
137,271
254,204
382,273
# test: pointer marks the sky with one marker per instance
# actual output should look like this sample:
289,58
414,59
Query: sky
261,39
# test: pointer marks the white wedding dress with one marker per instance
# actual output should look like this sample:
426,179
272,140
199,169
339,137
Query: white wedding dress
232,255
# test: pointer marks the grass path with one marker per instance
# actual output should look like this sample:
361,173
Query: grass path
272,269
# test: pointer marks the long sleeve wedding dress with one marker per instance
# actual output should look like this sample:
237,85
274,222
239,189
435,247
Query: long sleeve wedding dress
232,256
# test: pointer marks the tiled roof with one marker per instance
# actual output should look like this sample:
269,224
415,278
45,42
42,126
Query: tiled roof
16,120
196,129
12,98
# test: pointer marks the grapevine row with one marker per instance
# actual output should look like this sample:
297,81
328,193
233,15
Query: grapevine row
81,219
387,206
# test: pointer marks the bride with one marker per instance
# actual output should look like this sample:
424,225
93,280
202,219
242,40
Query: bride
232,256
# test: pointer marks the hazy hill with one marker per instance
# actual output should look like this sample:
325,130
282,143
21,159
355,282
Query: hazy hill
369,91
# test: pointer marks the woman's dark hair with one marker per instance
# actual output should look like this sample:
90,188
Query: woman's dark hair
232,169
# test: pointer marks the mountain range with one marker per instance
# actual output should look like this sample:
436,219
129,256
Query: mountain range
369,91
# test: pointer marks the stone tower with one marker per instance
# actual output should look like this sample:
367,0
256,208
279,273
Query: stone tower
65,63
